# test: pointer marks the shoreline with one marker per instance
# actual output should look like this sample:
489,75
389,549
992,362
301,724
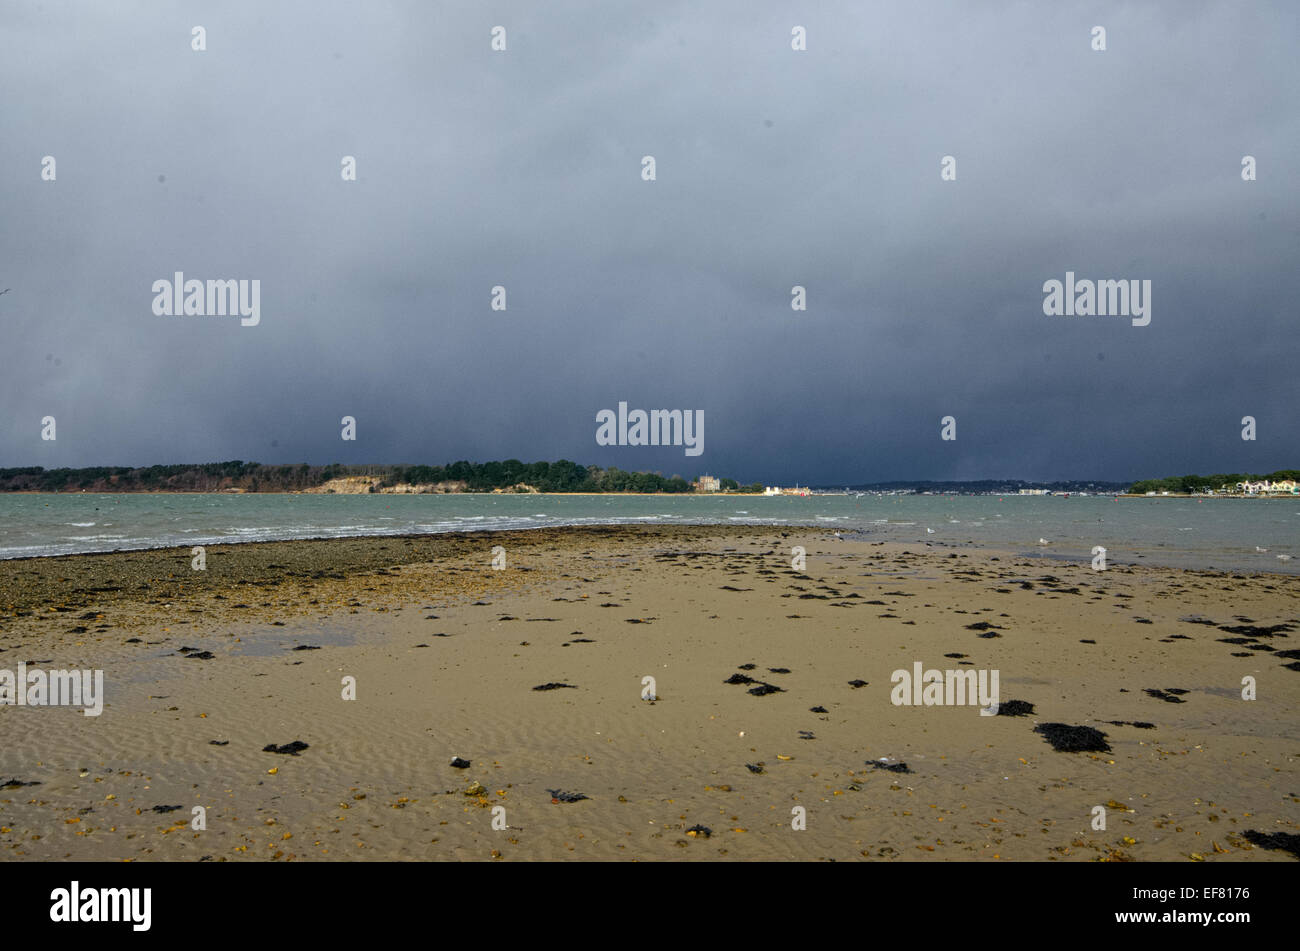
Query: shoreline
419,545
183,552
80,577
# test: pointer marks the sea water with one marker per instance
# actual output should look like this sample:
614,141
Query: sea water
1194,533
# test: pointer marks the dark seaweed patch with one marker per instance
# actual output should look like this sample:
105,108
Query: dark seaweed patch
891,767
562,796
1162,695
740,679
1276,841
1073,739
762,690
1251,630
289,749
555,686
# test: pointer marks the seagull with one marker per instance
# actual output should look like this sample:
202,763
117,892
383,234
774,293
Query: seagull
1042,541
929,531
1283,557
5,291
1257,548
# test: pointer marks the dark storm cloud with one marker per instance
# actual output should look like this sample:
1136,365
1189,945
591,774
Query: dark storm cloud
775,168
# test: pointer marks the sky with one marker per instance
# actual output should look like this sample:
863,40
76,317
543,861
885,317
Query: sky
774,168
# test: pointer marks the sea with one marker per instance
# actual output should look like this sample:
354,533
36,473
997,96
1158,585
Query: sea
1241,535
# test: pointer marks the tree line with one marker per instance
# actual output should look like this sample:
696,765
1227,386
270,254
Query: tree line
559,476
1191,484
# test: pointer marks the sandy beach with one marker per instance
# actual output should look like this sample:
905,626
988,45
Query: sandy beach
204,670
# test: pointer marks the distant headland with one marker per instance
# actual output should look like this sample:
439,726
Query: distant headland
514,477
510,476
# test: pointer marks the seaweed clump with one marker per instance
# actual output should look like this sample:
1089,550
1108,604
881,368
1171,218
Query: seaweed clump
892,767
289,749
1275,841
1073,739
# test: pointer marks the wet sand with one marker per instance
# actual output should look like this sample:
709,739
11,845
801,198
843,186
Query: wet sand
446,653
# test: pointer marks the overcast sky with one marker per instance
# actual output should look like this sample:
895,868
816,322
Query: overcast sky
774,168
